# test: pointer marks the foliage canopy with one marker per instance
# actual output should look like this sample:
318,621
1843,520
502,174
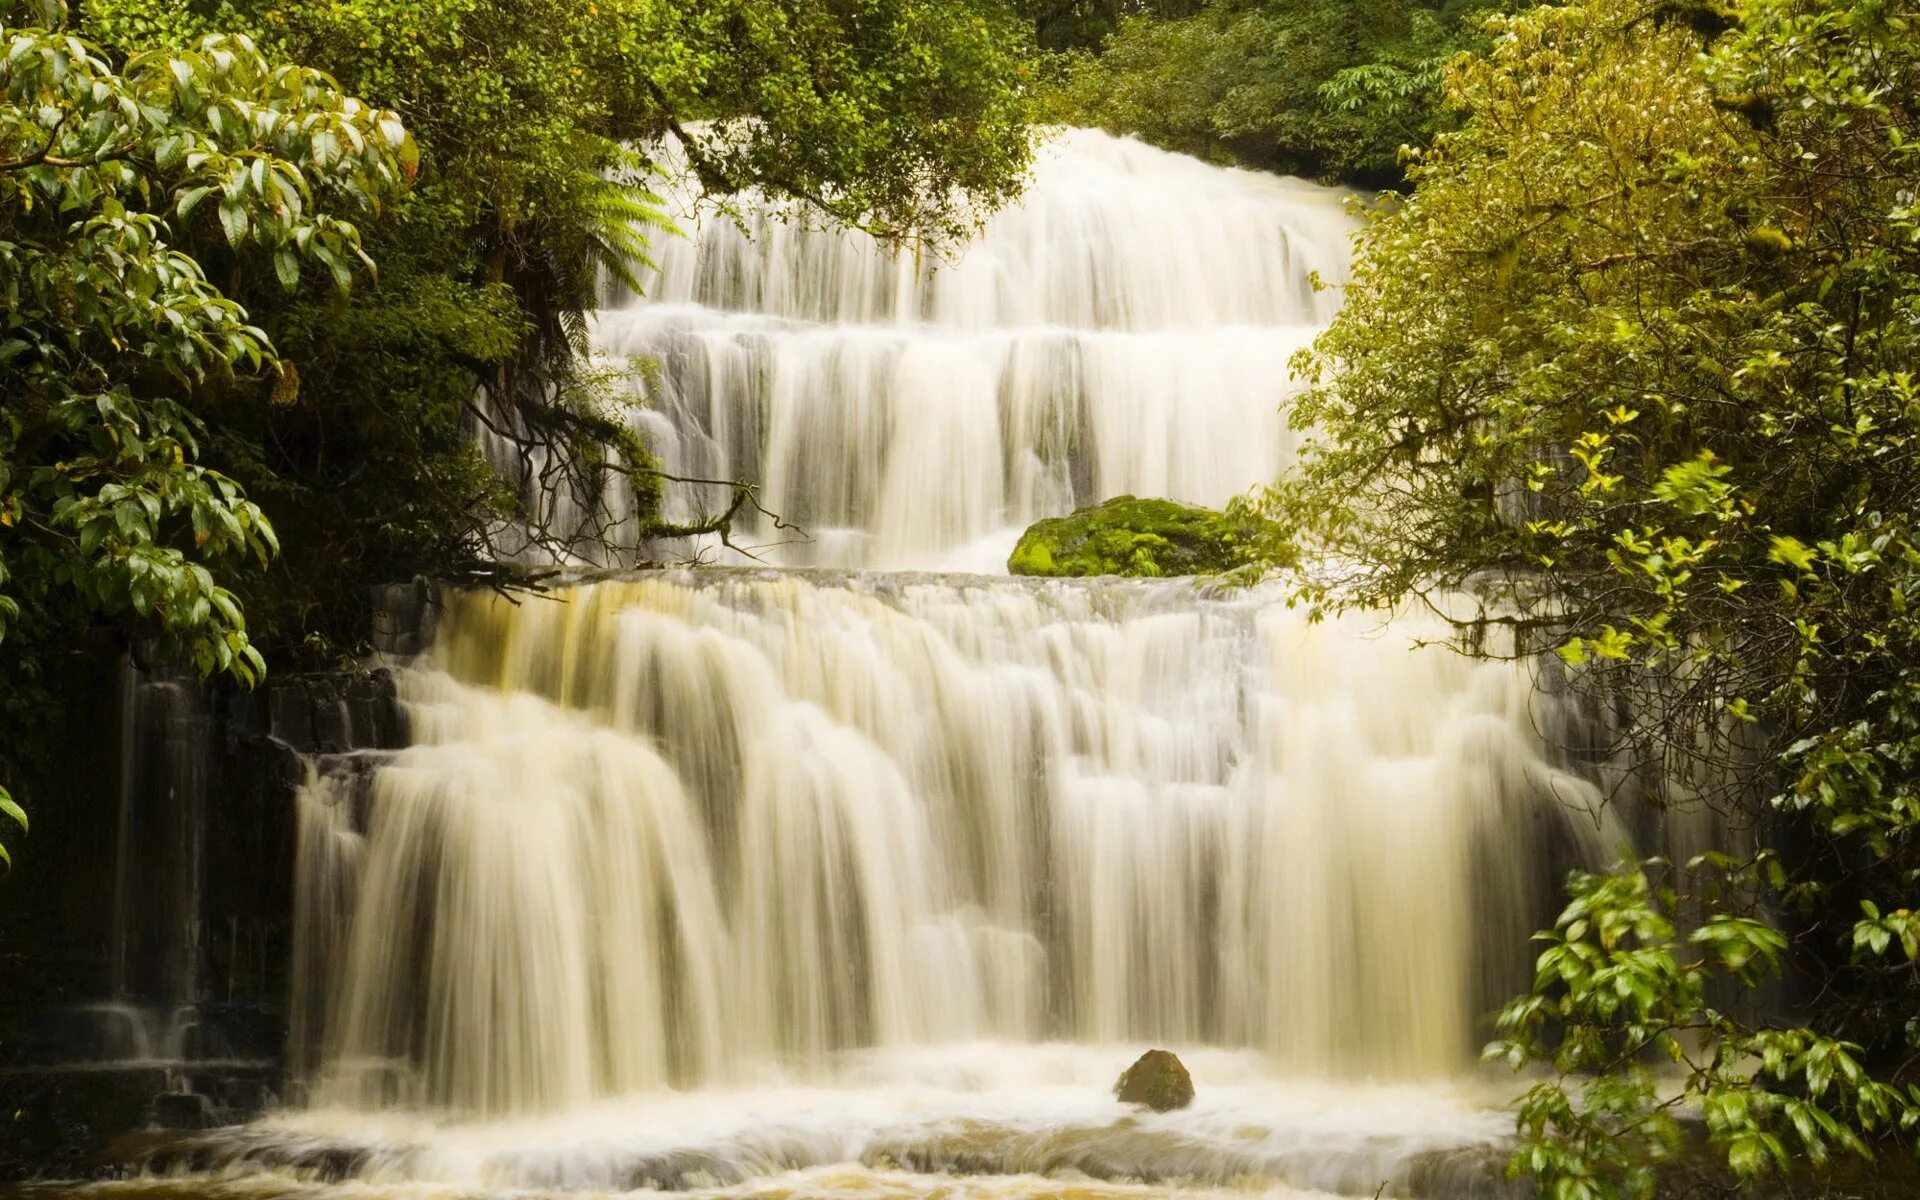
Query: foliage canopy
1636,361
1319,87
106,508
540,126
191,388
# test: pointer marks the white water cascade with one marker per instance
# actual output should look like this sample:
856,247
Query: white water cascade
832,877
1124,330
668,831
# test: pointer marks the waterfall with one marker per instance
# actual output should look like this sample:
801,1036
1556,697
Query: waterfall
1125,330
867,853
652,833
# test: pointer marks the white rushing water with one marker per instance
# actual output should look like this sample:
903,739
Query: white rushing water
863,881
666,832
980,1120
1124,330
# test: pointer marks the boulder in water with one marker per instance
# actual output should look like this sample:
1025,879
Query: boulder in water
1131,536
1157,1079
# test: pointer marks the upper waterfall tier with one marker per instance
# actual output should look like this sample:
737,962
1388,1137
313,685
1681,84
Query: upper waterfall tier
1126,328
1111,234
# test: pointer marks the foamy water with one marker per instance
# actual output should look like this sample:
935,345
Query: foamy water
977,1120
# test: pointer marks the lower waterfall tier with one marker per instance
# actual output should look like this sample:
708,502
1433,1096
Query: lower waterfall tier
670,831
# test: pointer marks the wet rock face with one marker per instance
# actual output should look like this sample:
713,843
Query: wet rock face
1157,1079
146,945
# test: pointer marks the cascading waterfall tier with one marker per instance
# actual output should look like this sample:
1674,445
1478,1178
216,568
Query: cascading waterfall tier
1125,329
890,873
666,831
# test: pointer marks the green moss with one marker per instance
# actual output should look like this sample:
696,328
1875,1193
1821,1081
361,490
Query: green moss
1151,538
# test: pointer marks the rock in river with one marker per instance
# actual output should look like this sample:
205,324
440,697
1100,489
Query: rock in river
1157,1079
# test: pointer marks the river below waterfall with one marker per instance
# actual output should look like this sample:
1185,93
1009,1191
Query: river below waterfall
1032,1122
865,869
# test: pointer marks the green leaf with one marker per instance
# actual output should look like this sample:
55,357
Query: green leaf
190,199
234,220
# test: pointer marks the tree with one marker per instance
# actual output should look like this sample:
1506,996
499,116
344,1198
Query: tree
1328,89
1634,363
541,126
106,509
1068,26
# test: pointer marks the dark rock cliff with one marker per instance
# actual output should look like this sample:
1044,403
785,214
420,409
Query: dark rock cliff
146,936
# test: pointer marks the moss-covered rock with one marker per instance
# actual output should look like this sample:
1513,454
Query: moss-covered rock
1157,1079
1130,536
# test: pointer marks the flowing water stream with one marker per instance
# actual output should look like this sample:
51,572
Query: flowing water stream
865,874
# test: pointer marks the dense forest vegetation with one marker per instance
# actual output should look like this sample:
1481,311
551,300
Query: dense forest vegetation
1326,89
1631,354
1635,362
257,312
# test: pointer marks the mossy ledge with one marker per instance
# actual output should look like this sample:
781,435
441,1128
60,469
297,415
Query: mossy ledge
1130,536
